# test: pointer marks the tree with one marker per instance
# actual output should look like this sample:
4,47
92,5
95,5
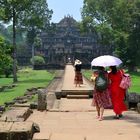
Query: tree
6,32
22,12
10,11
116,22
36,20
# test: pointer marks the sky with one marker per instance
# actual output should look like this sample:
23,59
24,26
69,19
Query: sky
63,8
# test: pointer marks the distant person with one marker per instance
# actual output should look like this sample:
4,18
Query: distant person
101,95
69,60
117,93
93,76
78,79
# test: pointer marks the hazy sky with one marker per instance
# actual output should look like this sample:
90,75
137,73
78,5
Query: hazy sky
63,8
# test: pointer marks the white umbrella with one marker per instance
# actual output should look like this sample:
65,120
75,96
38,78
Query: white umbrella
106,60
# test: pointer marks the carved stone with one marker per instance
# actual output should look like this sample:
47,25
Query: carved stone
132,99
41,100
138,107
21,131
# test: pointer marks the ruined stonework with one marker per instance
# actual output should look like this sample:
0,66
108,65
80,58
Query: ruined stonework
16,130
63,41
67,42
41,100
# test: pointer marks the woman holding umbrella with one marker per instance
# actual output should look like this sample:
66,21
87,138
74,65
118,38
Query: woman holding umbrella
117,93
101,96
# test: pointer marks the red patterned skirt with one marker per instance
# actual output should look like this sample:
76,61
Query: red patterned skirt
78,79
102,99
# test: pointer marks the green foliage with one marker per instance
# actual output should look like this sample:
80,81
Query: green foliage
117,23
37,42
37,60
9,7
35,19
5,58
8,69
5,33
135,87
11,11
31,14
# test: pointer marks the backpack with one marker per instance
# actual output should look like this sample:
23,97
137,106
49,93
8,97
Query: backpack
126,81
101,82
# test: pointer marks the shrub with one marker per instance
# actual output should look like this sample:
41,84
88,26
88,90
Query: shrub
6,60
37,60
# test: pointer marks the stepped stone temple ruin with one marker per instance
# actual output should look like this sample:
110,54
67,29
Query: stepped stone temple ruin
67,42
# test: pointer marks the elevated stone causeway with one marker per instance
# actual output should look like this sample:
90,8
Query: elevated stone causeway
70,115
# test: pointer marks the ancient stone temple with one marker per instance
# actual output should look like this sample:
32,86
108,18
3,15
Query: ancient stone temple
65,43
68,43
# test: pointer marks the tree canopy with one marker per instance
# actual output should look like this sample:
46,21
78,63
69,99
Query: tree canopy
35,19
117,23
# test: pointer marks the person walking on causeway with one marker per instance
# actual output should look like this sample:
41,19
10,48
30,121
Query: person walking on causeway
117,93
78,79
101,95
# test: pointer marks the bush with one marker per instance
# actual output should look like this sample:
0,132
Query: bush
8,70
37,60
6,61
7,67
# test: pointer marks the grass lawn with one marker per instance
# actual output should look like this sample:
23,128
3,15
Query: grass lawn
135,78
27,78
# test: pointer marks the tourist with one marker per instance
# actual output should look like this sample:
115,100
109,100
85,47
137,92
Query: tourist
94,75
78,79
69,60
117,93
101,98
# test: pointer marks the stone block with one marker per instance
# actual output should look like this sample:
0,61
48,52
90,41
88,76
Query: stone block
50,100
132,99
2,108
21,105
21,131
33,106
138,107
9,103
41,100
16,114
22,101
41,136
4,130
